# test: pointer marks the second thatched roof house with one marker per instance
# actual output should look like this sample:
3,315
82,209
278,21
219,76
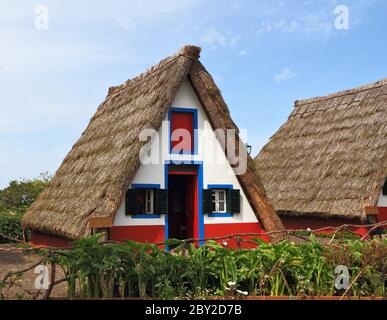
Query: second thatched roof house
327,165
153,164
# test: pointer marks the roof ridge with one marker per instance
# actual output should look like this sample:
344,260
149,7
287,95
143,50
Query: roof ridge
188,51
372,85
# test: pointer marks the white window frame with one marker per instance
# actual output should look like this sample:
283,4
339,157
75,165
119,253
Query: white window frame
149,196
215,195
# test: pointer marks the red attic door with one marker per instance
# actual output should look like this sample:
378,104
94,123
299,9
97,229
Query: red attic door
182,120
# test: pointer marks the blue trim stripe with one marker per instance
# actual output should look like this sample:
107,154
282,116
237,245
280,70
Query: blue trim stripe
200,195
195,128
192,162
200,204
220,186
220,215
166,226
146,216
180,161
145,186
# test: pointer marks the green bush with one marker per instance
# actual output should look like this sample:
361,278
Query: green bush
14,201
10,226
285,269
20,194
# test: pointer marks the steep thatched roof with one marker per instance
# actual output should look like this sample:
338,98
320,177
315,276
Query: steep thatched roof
90,184
330,157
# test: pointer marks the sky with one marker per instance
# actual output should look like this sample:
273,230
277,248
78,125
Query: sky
58,59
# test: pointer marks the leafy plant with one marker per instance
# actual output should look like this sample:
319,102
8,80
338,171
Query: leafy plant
132,269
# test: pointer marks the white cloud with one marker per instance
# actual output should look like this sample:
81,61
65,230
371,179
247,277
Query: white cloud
317,24
281,25
242,53
214,38
285,74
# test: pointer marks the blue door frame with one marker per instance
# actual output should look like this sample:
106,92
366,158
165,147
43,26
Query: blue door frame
199,165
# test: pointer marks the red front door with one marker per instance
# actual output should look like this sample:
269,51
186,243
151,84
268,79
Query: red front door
182,204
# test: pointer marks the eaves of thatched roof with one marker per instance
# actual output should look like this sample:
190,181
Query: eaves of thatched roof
330,157
89,186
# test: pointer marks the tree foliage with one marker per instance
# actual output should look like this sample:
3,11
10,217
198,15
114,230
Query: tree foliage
20,194
15,200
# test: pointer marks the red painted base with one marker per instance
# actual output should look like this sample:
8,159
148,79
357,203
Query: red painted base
45,240
220,230
382,215
303,223
143,234
155,234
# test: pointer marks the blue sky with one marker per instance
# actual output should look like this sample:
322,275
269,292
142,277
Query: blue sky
263,54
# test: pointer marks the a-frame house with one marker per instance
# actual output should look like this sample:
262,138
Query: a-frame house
135,174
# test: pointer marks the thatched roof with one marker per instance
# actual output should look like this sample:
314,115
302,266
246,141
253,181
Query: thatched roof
91,183
330,157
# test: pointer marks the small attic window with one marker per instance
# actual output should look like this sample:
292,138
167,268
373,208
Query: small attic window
385,188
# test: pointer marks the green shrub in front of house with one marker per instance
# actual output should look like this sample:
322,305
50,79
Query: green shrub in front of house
285,269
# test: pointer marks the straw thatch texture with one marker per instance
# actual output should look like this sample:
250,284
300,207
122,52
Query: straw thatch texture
330,157
90,184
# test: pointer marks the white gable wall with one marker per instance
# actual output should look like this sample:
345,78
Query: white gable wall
382,202
208,147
